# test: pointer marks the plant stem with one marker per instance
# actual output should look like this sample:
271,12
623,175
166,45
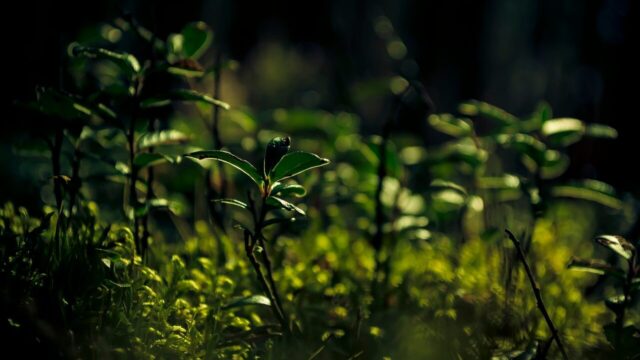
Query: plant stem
267,262
537,293
133,178
218,216
56,150
251,240
249,244
150,195
378,238
75,184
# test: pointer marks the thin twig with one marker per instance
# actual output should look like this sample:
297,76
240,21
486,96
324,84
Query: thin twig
537,293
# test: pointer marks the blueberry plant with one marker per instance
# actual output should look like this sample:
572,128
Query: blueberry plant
278,165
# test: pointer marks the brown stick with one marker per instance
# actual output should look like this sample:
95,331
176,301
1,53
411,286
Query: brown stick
537,293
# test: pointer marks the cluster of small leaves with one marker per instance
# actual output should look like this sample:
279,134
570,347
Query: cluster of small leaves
279,164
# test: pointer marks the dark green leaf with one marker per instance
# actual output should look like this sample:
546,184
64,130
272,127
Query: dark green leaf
503,182
278,221
233,202
461,151
601,131
188,73
286,190
283,204
150,159
182,95
483,109
524,144
126,61
295,163
164,137
594,266
55,103
192,95
555,164
543,112
197,38
617,244
229,158
441,184
450,125
155,204
589,190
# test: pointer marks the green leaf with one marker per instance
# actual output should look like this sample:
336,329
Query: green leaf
459,151
447,200
295,163
150,159
555,164
483,109
276,149
192,95
188,73
157,204
105,112
227,157
278,221
503,182
441,184
594,266
450,125
601,131
55,103
187,286
524,144
286,190
164,137
543,112
617,244
197,38
283,204
182,95
233,202
124,60
589,190
249,300
563,131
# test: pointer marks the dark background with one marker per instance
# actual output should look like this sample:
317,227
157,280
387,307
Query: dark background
577,55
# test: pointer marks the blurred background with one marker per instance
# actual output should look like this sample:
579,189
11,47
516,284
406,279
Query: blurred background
577,55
